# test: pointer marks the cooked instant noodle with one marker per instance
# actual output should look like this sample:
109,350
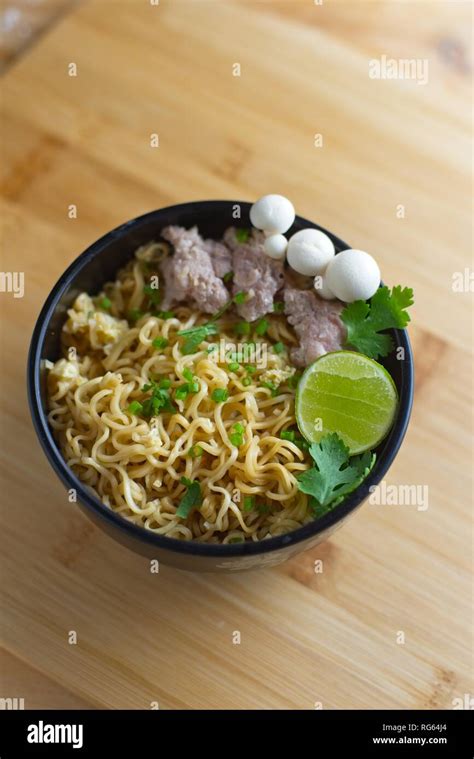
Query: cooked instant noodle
140,420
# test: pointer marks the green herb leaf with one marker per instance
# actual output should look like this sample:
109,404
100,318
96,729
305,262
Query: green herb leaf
188,375
195,451
242,235
191,498
365,321
292,381
134,315
240,298
160,342
195,336
261,327
220,395
105,303
278,348
335,474
153,294
242,328
236,438
249,503
271,386
181,392
234,366
288,435
165,314
158,401
135,407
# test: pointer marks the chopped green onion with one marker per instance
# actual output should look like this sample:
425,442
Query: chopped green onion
135,314
294,379
246,381
191,498
194,386
135,407
165,314
181,392
271,386
242,235
238,427
105,303
164,384
288,435
153,293
242,328
160,342
188,375
195,451
278,307
228,277
234,366
220,395
236,438
250,369
240,298
261,327
278,347
302,443
249,502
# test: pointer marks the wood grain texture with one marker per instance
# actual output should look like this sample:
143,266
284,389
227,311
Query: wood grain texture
306,637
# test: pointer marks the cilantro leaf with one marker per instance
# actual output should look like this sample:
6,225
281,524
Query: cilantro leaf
159,401
365,321
195,336
336,473
191,498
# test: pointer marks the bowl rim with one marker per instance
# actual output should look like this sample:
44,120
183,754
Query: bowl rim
192,547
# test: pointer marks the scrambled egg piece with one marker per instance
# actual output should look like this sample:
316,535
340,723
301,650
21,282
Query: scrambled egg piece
277,376
63,375
102,329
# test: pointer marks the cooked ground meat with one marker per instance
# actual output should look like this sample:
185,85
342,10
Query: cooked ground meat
189,273
259,276
316,322
221,257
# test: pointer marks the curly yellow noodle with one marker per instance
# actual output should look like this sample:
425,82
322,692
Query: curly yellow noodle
135,465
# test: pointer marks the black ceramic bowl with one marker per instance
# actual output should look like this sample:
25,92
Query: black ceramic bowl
87,273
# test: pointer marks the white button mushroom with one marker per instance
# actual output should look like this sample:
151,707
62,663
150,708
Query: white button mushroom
309,251
322,289
272,213
353,275
275,246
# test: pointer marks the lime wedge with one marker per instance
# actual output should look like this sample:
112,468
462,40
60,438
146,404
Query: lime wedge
347,393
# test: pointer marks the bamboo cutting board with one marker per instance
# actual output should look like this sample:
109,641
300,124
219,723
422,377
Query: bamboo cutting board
386,622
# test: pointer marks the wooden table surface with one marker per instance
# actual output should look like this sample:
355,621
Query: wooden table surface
387,622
